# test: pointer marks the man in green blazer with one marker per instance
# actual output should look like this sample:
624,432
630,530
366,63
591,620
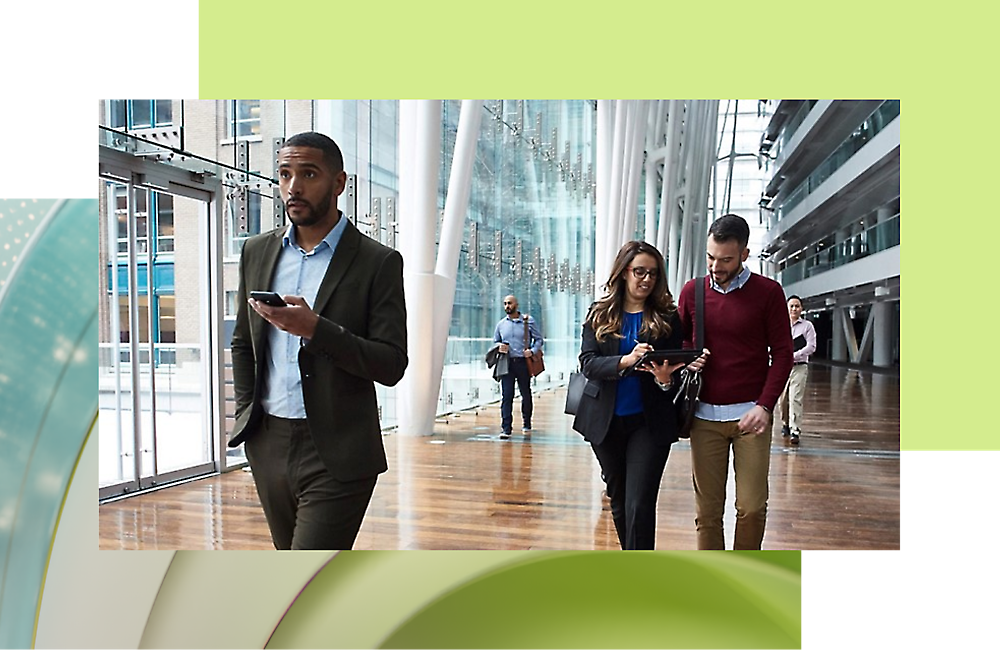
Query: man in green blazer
304,372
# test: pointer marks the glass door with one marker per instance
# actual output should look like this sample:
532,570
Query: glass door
156,408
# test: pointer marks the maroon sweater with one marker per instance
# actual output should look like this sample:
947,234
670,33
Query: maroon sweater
741,327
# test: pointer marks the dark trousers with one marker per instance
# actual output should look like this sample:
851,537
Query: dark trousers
632,462
305,507
518,372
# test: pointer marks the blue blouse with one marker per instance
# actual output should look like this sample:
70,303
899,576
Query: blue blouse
628,400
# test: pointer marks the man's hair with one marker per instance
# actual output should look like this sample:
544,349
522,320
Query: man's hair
730,227
332,156
793,297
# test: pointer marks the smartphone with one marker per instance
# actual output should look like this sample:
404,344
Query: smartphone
268,298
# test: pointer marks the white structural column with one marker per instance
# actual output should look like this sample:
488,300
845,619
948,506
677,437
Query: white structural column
637,137
692,136
456,207
668,237
604,255
605,119
707,170
839,352
655,152
626,129
652,174
882,333
430,279
417,210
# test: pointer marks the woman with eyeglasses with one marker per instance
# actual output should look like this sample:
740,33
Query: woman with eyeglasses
629,420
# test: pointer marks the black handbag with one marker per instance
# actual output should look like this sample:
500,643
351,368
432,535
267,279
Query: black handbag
577,382
686,399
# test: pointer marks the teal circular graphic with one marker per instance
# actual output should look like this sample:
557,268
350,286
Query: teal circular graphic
48,387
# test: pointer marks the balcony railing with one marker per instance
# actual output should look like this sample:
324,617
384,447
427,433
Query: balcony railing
873,240
873,124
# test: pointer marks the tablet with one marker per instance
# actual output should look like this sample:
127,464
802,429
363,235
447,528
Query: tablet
672,357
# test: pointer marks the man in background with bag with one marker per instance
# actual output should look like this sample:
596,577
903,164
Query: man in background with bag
747,329
521,340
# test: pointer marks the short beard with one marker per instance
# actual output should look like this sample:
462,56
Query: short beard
316,214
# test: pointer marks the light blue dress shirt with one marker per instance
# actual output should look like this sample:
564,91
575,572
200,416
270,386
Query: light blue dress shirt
725,412
297,273
511,331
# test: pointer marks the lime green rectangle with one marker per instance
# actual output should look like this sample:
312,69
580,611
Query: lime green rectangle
524,48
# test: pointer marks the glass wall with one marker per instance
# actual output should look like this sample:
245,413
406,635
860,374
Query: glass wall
528,229
529,233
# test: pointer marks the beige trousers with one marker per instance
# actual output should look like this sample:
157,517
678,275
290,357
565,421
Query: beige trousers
710,443
790,402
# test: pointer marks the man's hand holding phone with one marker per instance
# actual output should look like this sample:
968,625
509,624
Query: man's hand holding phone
291,314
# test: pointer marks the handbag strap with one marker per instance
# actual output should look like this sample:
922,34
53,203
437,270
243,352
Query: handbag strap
527,336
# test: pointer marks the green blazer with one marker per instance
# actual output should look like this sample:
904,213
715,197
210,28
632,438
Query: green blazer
360,339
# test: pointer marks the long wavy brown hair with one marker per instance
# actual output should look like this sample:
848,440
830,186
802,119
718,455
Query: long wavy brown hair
606,315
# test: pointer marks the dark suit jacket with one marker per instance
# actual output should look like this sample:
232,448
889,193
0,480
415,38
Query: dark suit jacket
360,339
599,364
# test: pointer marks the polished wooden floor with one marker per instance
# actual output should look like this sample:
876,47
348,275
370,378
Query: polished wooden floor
464,488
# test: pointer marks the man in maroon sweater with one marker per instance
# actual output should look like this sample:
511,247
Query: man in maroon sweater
747,332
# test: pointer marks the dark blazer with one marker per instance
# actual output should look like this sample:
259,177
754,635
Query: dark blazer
599,364
360,339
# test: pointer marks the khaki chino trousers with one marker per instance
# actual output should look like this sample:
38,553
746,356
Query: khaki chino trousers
710,445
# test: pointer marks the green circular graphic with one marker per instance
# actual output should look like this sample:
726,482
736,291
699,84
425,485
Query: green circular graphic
549,600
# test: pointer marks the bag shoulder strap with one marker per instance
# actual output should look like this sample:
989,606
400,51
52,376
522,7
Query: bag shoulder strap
527,336
699,313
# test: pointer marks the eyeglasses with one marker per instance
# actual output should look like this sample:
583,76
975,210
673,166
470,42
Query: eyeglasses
641,272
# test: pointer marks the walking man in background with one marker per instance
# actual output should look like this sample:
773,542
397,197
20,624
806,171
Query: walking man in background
510,333
803,345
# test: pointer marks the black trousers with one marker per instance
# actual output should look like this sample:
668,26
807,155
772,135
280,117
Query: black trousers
632,462
305,507
518,372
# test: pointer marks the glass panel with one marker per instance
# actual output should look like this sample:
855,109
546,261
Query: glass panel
164,223
141,113
876,239
164,112
117,113
170,377
258,218
182,440
115,443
